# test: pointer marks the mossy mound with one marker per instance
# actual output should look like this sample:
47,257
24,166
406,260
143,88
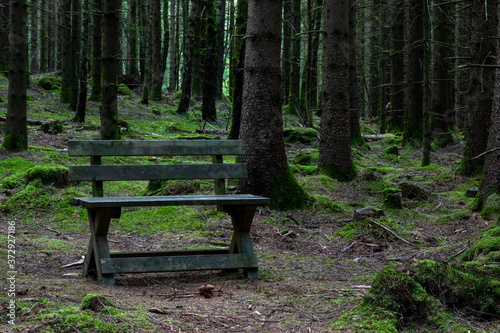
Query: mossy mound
461,288
173,187
491,207
391,150
301,135
123,89
308,157
95,302
49,175
370,230
413,192
52,127
50,83
391,198
305,170
487,249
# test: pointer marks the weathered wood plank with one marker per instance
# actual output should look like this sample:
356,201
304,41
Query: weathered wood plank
181,200
168,253
177,263
150,172
154,147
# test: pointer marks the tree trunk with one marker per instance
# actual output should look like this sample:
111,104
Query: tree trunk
354,113
166,40
33,60
238,71
44,36
261,121
174,48
16,127
481,84
189,40
65,96
426,90
413,124
75,51
84,64
156,55
132,70
221,63
335,148
318,13
210,84
287,46
295,60
4,36
110,129
96,89
52,40
395,120
145,50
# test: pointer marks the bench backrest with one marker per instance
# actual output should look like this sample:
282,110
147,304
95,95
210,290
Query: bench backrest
97,173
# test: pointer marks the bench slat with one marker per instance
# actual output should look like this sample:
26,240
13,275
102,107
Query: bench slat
177,263
152,172
174,200
154,147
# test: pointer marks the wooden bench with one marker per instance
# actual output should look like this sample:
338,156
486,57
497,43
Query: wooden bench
100,263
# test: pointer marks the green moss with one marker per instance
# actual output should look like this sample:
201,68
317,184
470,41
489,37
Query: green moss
491,207
50,83
325,204
338,173
173,187
391,198
14,142
307,157
301,135
65,96
123,89
286,194
15,164
370,230
92,301
391,150
489,242
49,174
304,169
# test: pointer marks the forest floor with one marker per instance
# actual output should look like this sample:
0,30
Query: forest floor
310,276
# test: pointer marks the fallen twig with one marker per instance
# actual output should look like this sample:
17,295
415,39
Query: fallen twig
392,233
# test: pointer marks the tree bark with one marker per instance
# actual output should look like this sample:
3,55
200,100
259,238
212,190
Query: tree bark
354,113
261,121
156,55
335,148
96,89
110,129
16,127
221,56
395,120
34,52
210,84
295,66
84,64
426,89
44,36
481,84
4,36
132,70
75,51
65,96
174,48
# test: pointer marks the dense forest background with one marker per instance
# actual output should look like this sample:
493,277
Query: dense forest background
347,78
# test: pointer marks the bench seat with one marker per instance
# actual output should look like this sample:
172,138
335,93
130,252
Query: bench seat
175,200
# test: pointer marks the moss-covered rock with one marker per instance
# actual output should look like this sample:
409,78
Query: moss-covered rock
487,248
307,157
52,127
95,302
49,175
391,198
50,83
491,207
413,192
391,150
123,89
301,135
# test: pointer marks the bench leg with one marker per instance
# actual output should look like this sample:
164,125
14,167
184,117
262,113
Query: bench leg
98,248
242,218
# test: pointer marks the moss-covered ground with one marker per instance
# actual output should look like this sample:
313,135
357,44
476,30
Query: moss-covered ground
408,268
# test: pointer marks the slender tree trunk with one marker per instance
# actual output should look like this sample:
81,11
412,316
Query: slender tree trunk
96,89
34,52
413,124
440,120
481,84
132,69
238,70
110,129
145,50
188,59
156,56
44,36
66,87
287,46
261,122
199,26
75,51
166,40
208,111
4,36
395,120
426,103
356,138
231,43
335,137
174,48
318,13
52,40
295,59
84,64
16,127
221,65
